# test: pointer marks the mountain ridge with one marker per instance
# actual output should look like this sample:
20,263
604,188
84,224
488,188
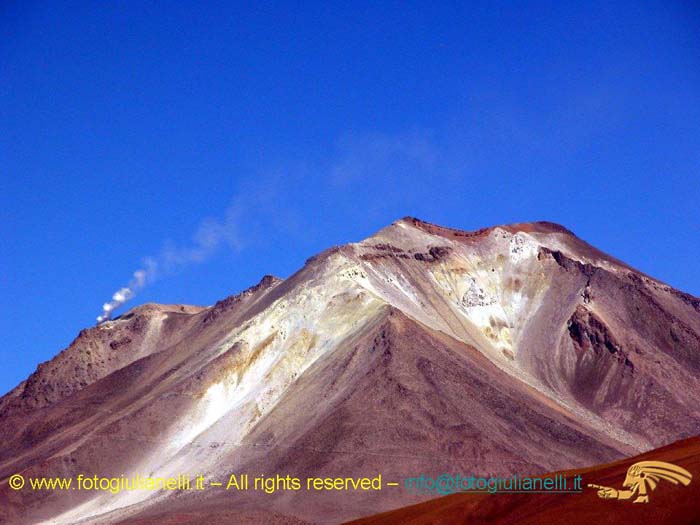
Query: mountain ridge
594,361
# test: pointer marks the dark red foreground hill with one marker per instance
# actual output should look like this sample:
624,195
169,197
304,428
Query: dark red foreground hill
672,504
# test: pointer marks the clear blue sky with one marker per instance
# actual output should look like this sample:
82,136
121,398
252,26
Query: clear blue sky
124,126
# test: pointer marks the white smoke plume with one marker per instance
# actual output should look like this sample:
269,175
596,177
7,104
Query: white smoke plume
122,295
268,202
210,235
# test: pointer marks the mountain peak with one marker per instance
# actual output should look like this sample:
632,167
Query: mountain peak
514,348
526,227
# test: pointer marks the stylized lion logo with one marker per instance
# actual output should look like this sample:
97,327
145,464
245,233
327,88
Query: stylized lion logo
643,476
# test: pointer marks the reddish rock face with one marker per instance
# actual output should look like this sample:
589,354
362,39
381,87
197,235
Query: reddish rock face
517,349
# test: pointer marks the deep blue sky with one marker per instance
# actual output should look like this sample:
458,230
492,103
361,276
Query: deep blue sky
124,126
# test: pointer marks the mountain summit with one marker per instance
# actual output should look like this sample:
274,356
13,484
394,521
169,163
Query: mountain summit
514,349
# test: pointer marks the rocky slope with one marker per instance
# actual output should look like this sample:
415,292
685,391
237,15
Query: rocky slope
421,349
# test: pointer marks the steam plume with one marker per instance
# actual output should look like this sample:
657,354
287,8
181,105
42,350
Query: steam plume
122,295
210,235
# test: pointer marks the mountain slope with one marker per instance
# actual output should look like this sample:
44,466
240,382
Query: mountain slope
399,399
510,349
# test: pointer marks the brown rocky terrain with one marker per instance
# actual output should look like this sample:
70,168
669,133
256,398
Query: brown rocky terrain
422,349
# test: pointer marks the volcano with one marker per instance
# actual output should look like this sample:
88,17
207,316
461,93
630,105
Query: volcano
516,349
